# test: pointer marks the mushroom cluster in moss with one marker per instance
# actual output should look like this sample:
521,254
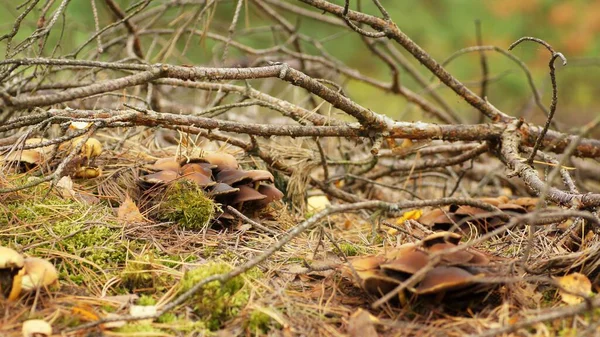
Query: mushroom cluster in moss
443,219
221,178
18,273
455,270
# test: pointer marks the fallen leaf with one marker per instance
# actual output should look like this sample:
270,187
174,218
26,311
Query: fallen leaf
410,215
317,203
65,187
575,283
361,324
128,212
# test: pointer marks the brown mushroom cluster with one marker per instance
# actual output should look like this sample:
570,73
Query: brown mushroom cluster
455,271
220,176
443,219
18,273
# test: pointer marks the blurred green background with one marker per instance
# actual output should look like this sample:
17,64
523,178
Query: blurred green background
441,27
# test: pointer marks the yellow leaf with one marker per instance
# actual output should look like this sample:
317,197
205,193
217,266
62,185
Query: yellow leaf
317,203
129,212
572,284
410,215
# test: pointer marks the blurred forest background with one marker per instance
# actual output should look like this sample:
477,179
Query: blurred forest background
440,26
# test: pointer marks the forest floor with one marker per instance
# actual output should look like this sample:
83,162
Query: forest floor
117,258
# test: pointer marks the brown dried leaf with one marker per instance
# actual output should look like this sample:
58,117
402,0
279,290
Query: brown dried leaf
129,212
361,324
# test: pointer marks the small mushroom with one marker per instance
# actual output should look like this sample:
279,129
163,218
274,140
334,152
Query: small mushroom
161,177
260,175
30,156
87,172
465,210
458,257
367,262
479,258
203,168
246,194
224,161
495,201
272,193
377,283
441,237
92,148
11,270
439,220
167,164
528,203
395,253
232,177
79,125
442,279
39,273
200,179
408,263
513,208
36,328
221,189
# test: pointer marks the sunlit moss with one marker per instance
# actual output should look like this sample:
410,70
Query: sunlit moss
61,224
216,302
260,322
350,249
186,204
146,300
138,273
138,328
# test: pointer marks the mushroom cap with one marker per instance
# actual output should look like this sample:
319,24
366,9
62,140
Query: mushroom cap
36,328
87,172
247,193
38,273
225,215
261,175
444,278
10,259
233,176
465,210
441,237
408,263
367,262
461,256
428,218
167,164
397,252
272,193
479,258
514,208
161,177
377,283
91,148
222,189
200,179
224,161
528,203
204,168
439,219
31,156
495,201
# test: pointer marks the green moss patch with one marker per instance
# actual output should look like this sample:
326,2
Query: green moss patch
186,204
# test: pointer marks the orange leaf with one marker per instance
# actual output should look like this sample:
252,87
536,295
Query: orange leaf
129,212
